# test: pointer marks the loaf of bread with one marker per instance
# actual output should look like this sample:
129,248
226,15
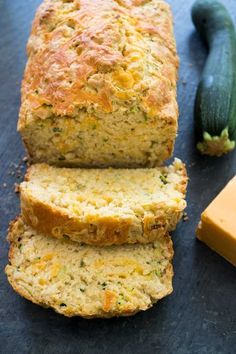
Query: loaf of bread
100,84
104,206
85,280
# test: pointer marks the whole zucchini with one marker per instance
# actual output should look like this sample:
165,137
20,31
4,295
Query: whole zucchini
215,105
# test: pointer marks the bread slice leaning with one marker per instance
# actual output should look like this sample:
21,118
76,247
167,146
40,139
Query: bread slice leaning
104,206
88,281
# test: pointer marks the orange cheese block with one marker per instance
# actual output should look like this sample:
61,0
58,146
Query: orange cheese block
217,227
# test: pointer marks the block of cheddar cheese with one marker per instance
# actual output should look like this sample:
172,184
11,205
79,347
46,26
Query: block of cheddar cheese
217,227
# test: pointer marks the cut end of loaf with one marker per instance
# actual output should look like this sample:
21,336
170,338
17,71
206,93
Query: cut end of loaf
118,140
100,84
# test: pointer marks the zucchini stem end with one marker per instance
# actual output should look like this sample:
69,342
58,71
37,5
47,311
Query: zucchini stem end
216,145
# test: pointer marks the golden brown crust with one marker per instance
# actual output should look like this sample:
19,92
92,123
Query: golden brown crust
47,220
108,230
99,230
94,59
182,186
91,48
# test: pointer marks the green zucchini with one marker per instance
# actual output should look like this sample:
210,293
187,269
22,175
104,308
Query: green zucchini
215,104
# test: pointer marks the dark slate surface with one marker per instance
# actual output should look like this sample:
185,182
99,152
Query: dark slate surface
200,315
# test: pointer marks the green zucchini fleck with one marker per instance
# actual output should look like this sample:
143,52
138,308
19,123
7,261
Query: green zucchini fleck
134,109
157,273
163,179
215,104
57,130
82,263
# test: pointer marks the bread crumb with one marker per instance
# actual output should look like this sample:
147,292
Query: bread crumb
16,188
185,217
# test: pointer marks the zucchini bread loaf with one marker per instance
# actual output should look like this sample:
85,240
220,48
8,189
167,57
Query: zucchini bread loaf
85,280
100,84
104,206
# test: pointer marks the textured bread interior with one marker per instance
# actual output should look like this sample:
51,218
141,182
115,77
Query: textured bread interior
100,84
118,140
88,281
108,205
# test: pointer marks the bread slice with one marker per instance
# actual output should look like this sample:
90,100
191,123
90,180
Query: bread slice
88,281
100,84
106,206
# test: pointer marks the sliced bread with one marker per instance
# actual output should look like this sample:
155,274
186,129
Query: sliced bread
88,281
104,206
